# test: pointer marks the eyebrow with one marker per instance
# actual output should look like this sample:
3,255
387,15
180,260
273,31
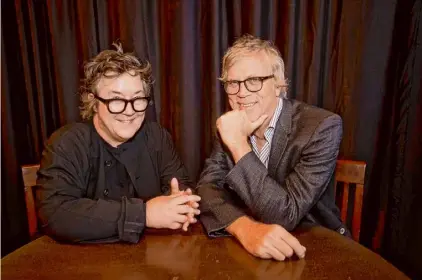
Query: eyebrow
247,77
119,93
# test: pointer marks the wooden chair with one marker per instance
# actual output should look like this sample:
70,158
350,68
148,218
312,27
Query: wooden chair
352,175
29,173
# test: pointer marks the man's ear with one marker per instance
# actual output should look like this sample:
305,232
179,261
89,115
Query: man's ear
280,88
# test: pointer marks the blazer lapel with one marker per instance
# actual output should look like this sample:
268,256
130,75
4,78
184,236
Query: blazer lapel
281,134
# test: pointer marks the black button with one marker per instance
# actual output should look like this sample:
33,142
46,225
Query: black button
108,163
105,192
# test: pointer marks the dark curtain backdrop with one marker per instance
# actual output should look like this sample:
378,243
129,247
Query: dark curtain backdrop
360,59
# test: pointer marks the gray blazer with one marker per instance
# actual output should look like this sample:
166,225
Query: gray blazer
296,187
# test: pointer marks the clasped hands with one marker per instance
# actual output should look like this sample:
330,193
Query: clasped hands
174,211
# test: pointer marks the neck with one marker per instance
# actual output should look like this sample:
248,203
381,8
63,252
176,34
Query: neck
259,133
100,128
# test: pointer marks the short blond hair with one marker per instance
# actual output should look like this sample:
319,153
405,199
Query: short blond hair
110,64
247,44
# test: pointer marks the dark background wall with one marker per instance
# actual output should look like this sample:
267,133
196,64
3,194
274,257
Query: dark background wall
360,59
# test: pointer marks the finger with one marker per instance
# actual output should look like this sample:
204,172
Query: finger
175,225
283,247
275,253
184,209
185,226
186,198
188,191
174,186
181,219
258,122
194,204
292,241
191,218
264,254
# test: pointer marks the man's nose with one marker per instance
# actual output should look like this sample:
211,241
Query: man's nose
243,91
129,109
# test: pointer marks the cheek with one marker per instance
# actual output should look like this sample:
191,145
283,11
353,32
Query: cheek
233,103
105,115
137,122
103,111
265,99
140,119
260,99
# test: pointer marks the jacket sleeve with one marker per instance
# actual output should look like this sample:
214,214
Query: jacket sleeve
170,165
219,205
285,203
63,209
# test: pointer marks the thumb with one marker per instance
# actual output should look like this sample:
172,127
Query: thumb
258,122
174,186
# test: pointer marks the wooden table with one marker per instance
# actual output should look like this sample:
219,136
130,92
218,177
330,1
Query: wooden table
192,255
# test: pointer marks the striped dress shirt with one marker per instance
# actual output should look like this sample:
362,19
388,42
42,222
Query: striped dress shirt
264,154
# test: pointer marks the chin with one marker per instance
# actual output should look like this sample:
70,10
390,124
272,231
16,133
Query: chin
128,132
253,115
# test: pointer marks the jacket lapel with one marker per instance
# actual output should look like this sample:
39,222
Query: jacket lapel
281,134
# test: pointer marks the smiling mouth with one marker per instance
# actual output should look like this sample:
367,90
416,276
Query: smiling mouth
247,105
126,121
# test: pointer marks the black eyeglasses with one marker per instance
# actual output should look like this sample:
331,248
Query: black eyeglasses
118,105
252,84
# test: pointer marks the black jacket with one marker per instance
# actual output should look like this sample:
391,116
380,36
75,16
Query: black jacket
71,202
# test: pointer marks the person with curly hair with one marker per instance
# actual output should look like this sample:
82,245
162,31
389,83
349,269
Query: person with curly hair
108,178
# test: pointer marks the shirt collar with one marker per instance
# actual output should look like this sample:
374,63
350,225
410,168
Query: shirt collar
273,122
276,114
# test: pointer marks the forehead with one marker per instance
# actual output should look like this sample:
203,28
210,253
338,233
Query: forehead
249,65
124,83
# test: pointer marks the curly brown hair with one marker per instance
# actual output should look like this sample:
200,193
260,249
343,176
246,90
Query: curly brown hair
110,64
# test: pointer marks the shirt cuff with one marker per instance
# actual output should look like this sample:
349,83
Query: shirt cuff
132,219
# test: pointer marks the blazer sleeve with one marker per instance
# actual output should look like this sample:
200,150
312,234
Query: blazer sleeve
63,209
286,203
219,205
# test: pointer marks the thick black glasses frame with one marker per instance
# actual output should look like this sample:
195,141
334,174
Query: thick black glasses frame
131,101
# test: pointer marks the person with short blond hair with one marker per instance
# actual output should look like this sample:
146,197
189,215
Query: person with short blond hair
273,159
249,44
108,178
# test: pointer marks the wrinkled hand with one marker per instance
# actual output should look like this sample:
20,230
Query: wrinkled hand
170,211
264,270
234,128
269,241
174,185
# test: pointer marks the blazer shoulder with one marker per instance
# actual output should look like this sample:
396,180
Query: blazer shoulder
311,115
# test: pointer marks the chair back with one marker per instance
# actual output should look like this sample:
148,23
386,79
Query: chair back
29,173
352,176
